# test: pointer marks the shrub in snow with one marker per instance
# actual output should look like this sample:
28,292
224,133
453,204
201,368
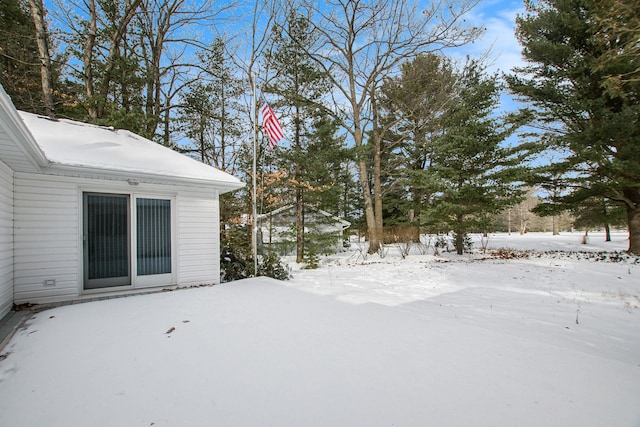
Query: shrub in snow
441,243
271,265
236,258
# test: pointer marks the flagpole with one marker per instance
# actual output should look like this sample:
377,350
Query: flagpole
254,232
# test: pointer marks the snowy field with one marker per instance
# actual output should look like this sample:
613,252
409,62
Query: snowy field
542,339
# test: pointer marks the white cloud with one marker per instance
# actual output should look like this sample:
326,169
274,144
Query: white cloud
499,42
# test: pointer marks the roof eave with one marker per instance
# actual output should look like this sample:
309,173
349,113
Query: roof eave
345,224
134,178
19,131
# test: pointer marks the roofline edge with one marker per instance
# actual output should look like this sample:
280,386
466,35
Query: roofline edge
20,131
98,173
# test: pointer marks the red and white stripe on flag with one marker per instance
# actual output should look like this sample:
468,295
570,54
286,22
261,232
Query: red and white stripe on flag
271,125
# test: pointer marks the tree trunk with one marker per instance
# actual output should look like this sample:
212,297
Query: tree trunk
363,176
374,237
299,227
153,83
377,169
459,236
114,50
297,176
87,59
523,222
633,222
632,199
377,195
37,14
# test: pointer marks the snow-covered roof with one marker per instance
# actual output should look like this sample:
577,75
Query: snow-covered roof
344,224
83,149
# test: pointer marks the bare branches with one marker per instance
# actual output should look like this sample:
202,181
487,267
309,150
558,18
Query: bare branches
361,42
37,14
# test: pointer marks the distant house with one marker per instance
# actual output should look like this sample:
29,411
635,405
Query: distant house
276,230
88,210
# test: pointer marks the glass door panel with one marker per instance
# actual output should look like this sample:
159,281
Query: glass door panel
153,236
106,241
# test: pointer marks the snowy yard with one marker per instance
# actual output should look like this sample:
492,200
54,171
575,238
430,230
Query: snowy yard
551,339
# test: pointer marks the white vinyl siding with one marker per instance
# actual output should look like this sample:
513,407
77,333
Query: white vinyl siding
48,234
46,239
198,238
6,239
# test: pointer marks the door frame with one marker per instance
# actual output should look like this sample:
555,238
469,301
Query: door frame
136,281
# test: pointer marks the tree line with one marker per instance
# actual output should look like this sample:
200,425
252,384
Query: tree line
383,128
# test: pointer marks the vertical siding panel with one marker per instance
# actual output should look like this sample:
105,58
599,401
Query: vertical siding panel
6,239
199,238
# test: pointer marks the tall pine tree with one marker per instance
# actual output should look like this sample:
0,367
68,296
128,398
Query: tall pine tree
300,85
209,116
411,106
582,79
473,173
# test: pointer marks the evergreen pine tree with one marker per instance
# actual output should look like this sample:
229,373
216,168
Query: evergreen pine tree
412,104
313,159
473,173
209,116
582,80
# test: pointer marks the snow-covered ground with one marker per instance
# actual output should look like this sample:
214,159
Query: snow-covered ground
545,339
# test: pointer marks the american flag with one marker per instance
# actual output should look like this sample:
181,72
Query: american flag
270,124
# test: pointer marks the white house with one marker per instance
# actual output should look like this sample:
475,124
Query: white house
277,229
88,210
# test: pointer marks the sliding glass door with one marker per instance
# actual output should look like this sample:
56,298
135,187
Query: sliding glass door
110,237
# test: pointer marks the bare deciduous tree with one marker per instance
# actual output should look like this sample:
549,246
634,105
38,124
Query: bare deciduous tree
36,8
160,23
364,41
